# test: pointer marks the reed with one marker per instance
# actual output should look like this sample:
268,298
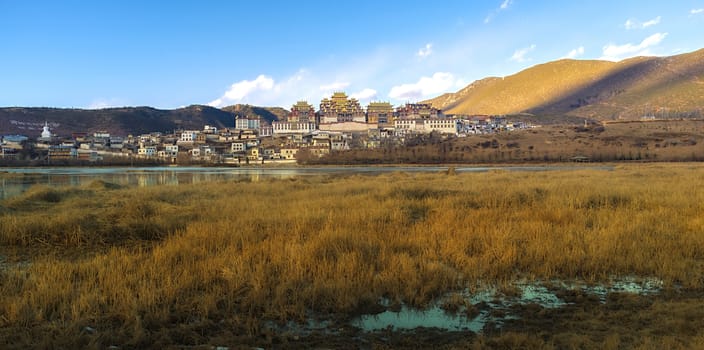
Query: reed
144,265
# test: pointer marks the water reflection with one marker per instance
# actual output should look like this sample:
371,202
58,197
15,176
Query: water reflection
14,181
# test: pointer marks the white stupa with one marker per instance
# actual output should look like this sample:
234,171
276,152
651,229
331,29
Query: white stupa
46,134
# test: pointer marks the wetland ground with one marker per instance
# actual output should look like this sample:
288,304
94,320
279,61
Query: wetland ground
612,258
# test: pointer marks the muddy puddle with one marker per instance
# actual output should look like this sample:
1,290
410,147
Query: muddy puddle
491,307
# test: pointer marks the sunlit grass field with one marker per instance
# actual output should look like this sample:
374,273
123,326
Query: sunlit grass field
101,265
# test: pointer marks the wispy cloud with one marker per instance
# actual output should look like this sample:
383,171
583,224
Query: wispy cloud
265,90
358,74
440,82
102,103
575,53
614,52
365,95
336,86
505,5
243,89
382,74
520,54
696,11
652,22
425,51
630,24
636,24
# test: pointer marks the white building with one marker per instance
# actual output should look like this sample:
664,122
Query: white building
288,153
442,125
188,136
283,128
427,125
266,131
247,123
147,151
171,150
238,147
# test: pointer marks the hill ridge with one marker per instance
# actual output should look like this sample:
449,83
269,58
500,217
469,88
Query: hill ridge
595,89
125,120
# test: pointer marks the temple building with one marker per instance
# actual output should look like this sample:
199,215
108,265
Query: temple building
423,118
302,111
417,110
380,113
340,109
301,120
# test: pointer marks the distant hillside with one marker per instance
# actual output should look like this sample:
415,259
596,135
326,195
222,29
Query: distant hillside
269,114
661,86
121,121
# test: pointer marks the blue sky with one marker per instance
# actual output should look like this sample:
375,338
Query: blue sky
96,54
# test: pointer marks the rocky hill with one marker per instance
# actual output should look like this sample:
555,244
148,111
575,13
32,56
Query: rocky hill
630,89
125,120
269,114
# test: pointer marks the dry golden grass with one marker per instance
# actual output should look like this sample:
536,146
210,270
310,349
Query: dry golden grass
189,264
602,90
656,141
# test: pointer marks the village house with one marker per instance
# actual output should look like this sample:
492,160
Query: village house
266,130
247,123
286,128
171,151
147,151
62,152
426,125
269,153
289,153
238,147
188,136
340,124
253,153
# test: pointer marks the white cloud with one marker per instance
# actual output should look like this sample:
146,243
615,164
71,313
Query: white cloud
239,91
336,86
365,95
696,11
504,6
614,52
520,54
425,51
264,90
652,22
440,82
636,24
103,103
575,53
630,24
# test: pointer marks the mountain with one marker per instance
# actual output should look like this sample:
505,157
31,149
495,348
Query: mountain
604,90
269,114
124,120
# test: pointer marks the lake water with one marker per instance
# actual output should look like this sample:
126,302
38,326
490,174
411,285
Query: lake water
17,180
